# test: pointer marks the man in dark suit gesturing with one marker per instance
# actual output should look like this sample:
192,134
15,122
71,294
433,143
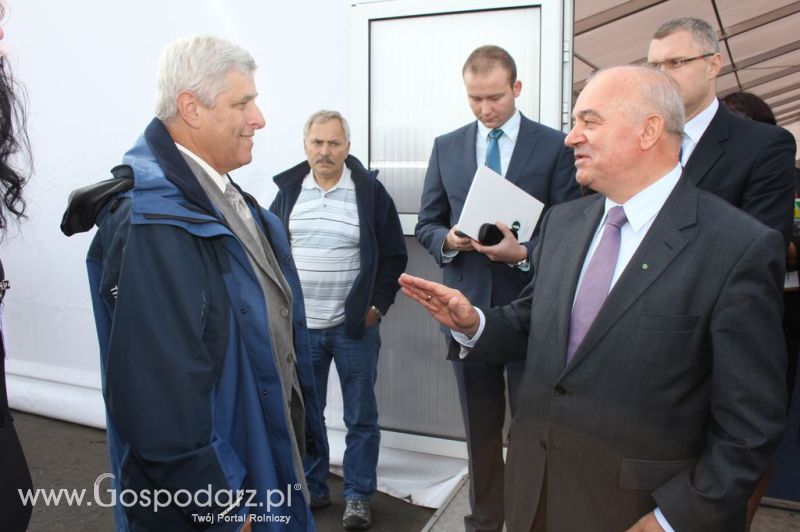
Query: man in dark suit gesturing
747,163
534,158
650,333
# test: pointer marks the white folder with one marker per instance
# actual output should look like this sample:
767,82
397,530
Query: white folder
492,198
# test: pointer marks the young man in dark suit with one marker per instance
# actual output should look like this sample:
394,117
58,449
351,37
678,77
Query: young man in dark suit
533,157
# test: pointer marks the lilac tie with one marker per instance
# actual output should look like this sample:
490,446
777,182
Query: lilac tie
596,280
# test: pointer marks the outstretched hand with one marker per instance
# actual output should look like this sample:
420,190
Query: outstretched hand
448,306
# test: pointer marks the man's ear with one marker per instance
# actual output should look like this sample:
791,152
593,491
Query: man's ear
652,131
516,88
714,66
188,108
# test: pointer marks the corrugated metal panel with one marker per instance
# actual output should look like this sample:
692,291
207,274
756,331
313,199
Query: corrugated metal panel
413,101
416,386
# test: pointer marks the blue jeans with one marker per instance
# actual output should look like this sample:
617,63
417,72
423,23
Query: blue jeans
357,365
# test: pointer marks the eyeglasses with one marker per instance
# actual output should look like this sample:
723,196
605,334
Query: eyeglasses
674,64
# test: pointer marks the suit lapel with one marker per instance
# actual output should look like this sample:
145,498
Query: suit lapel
524,148
469,146
663,242
710,147
461,167
470,160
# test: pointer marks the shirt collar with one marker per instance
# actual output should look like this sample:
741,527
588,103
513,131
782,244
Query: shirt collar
695,127
216,177
644,206
345,182
510,128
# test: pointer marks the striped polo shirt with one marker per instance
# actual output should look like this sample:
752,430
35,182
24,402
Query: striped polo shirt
325,244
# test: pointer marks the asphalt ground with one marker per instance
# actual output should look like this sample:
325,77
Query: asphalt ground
65,455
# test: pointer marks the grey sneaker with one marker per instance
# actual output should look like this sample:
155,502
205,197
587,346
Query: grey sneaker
357,515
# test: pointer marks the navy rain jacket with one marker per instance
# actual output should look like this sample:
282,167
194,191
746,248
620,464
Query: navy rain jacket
193,397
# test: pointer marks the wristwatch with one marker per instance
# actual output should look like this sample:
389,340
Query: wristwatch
377,311
523,264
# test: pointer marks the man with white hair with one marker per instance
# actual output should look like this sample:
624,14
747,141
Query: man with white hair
652,394
206,370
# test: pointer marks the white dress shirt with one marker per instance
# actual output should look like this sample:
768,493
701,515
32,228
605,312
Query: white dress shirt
694,129
640,210
218,179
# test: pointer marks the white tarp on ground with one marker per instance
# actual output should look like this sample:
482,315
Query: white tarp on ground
418,478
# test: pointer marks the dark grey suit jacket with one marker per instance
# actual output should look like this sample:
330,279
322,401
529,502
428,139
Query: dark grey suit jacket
541,165
751,165
663,403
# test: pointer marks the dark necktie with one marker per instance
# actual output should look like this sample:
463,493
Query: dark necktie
596,281
493,150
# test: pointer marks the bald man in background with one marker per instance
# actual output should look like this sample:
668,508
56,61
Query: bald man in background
747,163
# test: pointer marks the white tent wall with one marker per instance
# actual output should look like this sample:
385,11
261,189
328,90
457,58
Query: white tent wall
89,68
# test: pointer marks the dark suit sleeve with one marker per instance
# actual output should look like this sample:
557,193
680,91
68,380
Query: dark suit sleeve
769,194
747,397
434,212
505,334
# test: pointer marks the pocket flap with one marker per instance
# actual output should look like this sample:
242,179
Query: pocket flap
647,475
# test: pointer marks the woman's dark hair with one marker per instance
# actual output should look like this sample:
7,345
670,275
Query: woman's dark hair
751,106
13,140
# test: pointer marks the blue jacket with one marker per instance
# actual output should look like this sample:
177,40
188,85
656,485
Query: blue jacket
383,247
193,397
